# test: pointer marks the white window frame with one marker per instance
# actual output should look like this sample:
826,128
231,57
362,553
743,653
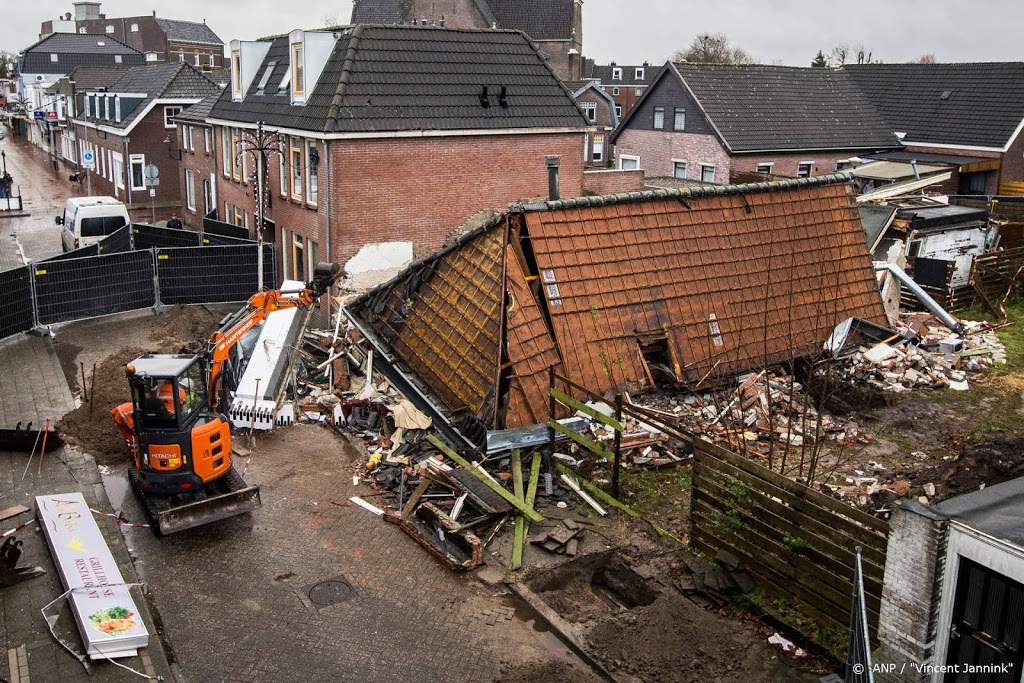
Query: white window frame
134,28
133,161
843,164
616,73
598,147
659,118
638,74
586,147
197,63
169,111
83,30
110,28
181,56
190,190
54,57
639,92
618,111
298,70
615,92
590,109
770,166
295,177
151,57
704,171
191,144
676,163
628,157
285,254
118,170
225,151
312,174
236,74
282,167
810,169
677,122
206,140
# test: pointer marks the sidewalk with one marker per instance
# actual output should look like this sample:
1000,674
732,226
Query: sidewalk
33,388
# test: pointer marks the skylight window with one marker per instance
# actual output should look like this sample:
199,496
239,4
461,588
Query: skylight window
286,83
265,78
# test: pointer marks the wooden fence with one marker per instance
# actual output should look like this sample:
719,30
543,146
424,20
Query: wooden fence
799,544
994,275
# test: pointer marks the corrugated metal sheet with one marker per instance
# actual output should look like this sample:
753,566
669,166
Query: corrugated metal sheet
731,281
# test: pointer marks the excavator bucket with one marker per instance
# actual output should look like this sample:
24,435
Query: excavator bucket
227,497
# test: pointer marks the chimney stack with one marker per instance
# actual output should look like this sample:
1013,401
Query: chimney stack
552,163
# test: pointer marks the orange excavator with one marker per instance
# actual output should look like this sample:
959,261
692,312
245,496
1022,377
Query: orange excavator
178,435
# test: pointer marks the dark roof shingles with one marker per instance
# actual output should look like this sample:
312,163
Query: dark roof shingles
189,31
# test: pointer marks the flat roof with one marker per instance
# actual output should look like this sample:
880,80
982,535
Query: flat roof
994,510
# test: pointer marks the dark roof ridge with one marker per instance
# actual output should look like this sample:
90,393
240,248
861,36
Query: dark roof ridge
681,193
346,74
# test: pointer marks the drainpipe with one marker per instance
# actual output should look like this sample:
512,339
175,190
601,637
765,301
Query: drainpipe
326,192
913,165
552,163
922,296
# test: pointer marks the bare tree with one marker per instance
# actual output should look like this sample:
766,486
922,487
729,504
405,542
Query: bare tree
844,53
928,58
332,19
713,49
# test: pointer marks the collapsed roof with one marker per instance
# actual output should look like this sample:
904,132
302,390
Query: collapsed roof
689,285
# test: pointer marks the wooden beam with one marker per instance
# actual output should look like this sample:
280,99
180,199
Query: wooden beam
491,484
583,494
569,401
522,524
582,440
415,497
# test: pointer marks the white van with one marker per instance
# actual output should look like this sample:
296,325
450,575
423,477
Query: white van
87,220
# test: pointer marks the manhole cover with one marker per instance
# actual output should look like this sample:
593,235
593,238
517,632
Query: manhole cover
331,592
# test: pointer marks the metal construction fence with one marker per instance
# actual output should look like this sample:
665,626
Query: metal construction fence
139,266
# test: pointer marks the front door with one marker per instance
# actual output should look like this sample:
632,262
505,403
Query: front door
985,637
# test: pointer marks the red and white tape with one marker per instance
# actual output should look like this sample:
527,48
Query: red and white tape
120,519
17,528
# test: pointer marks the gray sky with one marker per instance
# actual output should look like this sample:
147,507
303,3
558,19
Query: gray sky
632,31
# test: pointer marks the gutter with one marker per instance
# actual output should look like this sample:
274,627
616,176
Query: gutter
923,296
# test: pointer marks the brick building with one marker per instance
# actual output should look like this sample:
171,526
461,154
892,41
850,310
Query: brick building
712,122
555,26
128,127
625,84
970,115
198,169
73,88
375,135
159,39
599,108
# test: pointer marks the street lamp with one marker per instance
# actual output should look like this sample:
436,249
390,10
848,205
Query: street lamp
259,143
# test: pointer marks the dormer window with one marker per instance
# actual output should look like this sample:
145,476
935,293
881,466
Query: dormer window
117,59
639,76
135,28
151,56
110,29
298,71
265,78
617,73
181,56
53,56
236,76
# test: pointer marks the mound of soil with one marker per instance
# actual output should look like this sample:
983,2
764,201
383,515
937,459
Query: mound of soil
90,426
546,672
988,462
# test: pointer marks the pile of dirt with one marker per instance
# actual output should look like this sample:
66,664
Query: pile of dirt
988,462
674,640
89,426
184,329
546,672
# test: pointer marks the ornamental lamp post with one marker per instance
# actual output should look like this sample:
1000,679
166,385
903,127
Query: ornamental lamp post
259,143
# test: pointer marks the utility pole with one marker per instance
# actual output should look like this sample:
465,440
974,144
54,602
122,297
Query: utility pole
259,143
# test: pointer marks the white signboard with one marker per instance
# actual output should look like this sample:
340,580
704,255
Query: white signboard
106,614
88,160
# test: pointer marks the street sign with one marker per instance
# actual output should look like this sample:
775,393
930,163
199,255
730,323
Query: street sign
88,160
39,115
152,193
150,182
151,171
51,116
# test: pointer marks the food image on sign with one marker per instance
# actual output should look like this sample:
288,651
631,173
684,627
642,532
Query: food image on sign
114,621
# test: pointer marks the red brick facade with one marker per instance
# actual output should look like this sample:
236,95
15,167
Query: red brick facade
660,150
198,167
149,38
612,182
598,152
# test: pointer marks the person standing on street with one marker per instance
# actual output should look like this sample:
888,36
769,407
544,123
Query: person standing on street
174,222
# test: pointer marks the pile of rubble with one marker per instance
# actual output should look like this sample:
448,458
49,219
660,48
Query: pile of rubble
922,355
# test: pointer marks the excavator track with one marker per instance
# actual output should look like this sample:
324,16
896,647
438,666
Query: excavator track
226,497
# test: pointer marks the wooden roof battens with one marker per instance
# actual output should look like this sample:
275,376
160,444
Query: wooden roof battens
682,193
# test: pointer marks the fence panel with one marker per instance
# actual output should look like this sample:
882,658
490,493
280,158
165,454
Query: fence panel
81,252
16,303
82,288
212,274
215,227
798,543
117,242
210,239
149,236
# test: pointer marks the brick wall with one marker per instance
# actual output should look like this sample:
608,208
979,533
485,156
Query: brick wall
203,165
911,591
420,189
658,148
612,182
786,164
1013,162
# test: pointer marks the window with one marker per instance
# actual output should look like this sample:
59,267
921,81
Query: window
206,140
298,70
110,29
296,160
312,157
707,173
764,168
298,258
191,144
169,113
138,164
181,56
213,60
285,241
282,174
118,171
615,92
151,56
639,75
598,148
590,109
53,56
679,119
207,196
659,117
586,146
618,111
134,28
629,163
843,165
83,30
265,78
805,169
639,92
238,159
236,77
678,169
190,190
616,74
225,151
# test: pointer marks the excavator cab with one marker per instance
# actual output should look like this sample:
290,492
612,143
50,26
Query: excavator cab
177,444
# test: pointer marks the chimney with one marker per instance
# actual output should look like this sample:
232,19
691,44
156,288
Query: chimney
913,165
442,21
552,163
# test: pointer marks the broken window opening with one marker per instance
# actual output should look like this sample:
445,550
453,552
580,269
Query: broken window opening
656,354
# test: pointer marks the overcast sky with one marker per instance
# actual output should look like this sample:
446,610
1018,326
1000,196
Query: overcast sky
633,31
